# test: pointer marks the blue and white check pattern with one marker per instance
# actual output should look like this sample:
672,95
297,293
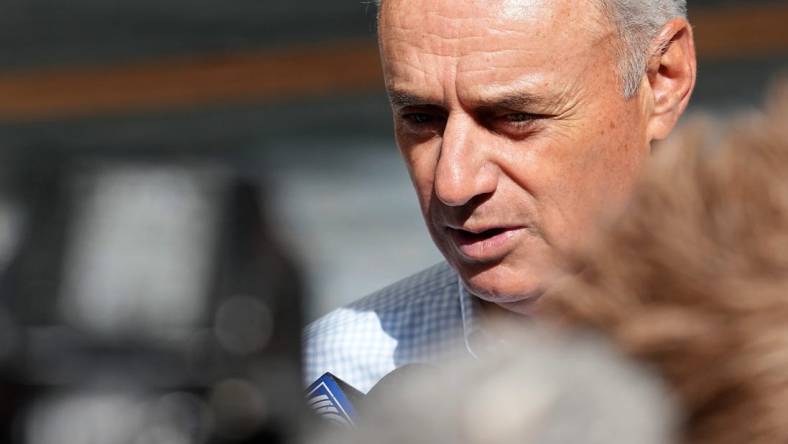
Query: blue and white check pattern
416,320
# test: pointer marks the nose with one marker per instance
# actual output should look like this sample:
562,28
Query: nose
463,170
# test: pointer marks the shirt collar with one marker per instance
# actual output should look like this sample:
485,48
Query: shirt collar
477,341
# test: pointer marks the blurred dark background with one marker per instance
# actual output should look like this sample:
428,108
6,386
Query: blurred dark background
289,91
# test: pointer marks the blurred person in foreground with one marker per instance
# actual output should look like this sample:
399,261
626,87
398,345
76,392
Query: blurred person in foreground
672,328
693,280
519,122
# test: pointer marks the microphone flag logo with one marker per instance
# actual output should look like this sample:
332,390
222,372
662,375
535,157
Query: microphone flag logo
327,398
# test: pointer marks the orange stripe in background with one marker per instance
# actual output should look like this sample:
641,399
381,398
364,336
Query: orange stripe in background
340,67
741,31
183,82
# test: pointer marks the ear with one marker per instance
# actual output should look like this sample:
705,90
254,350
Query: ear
670,73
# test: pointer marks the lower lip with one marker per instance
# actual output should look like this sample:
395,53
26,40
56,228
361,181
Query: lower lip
480,247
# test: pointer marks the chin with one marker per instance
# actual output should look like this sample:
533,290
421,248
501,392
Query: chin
502,287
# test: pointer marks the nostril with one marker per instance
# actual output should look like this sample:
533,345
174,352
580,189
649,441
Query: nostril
452,192
460,178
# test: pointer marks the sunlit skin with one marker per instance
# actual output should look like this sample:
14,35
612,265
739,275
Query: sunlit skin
511,119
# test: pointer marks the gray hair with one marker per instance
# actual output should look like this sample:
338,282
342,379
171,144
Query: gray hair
638,22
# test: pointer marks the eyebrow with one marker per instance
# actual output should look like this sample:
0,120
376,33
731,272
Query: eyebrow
513,100
518,100
402,99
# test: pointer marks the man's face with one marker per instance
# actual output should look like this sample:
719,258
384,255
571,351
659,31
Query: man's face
510,117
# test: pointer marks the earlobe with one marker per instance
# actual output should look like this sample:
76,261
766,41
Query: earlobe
671,76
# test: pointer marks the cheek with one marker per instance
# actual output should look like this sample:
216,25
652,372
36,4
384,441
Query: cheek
624,148
610,178
584,173
615,144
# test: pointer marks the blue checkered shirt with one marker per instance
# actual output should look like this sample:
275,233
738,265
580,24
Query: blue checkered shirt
416,320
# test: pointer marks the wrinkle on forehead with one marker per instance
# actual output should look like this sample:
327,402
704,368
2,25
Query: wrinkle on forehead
462,49
438,34
454,28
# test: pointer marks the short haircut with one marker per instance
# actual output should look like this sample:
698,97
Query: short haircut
637,22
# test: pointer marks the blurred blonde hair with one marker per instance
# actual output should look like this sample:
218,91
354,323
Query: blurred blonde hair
693,278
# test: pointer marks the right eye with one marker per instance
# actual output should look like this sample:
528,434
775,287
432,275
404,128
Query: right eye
421,121
418,118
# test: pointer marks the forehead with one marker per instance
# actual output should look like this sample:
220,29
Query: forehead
487,43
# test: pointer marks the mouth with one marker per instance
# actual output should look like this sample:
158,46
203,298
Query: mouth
485,244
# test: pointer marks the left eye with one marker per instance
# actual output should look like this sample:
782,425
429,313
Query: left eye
517,124
519,117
